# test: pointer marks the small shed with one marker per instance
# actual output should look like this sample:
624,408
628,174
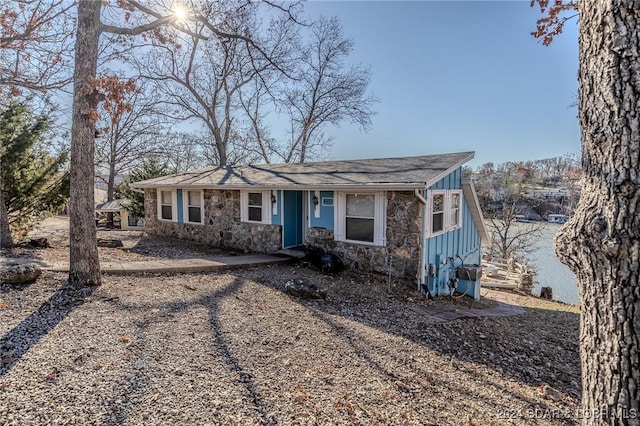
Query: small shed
127,222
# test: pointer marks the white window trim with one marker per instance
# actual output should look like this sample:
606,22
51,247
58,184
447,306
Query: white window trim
447,226
379,220
453,227
185,206
266,207
174,204
433,193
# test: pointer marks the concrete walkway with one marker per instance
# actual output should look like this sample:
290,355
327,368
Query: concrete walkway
181,265
508,305
162,266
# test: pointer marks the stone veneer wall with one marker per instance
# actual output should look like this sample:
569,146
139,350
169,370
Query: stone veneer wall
222,226
404,219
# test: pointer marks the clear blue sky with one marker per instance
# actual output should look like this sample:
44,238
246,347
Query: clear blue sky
457,76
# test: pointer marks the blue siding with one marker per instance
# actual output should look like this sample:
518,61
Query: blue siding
276,219
179,206
451,181
445,251
326,212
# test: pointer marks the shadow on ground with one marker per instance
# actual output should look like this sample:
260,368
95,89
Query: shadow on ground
362,356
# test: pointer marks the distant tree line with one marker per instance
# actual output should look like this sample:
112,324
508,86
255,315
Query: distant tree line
508,194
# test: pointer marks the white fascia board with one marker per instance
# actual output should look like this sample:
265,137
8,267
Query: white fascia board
364,187
450,169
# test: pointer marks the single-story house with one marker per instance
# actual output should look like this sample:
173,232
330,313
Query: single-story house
127,222
414,216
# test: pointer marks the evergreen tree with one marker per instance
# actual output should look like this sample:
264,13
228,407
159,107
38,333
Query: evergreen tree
34,182
149,169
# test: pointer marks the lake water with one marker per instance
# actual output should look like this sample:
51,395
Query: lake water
550,272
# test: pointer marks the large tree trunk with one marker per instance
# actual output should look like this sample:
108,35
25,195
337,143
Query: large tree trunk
6,241
84,268
601,243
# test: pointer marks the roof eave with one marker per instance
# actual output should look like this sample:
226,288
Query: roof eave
408,186
476,212
460,163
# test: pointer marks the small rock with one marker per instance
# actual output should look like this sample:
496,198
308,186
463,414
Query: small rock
20,274
110,243
551,393
301,288
39,242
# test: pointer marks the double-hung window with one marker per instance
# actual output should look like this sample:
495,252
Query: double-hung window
437,212
360,217
255,206
167,205
193,201
455,215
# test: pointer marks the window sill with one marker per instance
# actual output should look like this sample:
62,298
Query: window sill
362,243
443,232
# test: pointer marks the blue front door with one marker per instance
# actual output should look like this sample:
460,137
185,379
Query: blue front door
292,219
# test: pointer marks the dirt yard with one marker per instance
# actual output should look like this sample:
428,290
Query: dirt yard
232,348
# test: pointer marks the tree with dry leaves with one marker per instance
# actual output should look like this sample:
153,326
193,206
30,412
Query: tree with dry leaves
36,41
127,18
35,53
128,129
601,242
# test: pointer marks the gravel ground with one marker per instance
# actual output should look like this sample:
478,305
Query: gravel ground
137,246
232,348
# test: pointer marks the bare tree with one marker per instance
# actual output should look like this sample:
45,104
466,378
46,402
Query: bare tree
324,91
511,238
182,151
204,79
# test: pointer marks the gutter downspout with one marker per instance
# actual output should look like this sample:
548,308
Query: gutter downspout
423,230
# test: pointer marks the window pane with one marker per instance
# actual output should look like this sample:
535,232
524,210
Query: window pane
255,214
438,203
359,229
255,199
455,201
194,198
438,222
362,205
194,214
455,215
167,213
166,197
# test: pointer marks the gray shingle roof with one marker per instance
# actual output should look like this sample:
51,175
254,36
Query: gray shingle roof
112,206
389,173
